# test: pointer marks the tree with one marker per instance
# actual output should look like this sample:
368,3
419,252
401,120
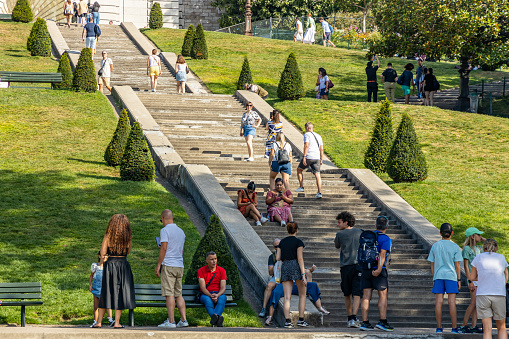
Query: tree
84,74
33,32
290,85
188,41
64,67
215,240
199,49
378,150
115,150
406,162
137,163
245,75
22,12
156,16
41,43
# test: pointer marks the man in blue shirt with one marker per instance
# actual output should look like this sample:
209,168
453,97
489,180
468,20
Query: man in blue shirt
89,32
326,28
377,279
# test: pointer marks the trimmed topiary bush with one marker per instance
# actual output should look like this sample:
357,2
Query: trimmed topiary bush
378,150
115,150
290,85
188,41
406,162
156,16
137,163
199,49
84,74
215,240
33,32
64,67
41,43
22,12
245,75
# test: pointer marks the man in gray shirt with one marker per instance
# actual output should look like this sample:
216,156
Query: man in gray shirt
347,239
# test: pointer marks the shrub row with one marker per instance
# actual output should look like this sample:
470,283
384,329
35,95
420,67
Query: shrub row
39,40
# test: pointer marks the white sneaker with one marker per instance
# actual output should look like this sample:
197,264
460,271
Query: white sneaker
167,324
249,159
153,90
300,189
357,323
263,220
268,321
350,323
318,196
111,322
323,310
283,224
183,323
258,223
93,324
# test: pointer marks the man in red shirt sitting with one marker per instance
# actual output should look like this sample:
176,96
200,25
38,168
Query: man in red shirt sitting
212,280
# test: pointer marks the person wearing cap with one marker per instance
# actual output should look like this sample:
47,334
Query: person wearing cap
377,279
469,252
371,74
445,257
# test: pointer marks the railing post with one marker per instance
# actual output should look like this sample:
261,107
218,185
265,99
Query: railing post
503,91
482,88
491,104
270,22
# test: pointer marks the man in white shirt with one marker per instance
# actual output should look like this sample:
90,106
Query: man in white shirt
107,68
326,28
171,267
312,159
299,34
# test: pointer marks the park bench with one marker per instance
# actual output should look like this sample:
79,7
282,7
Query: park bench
6,76
29,294
149,295
5,16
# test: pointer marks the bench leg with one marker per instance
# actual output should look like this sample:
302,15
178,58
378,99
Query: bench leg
22,316
131,318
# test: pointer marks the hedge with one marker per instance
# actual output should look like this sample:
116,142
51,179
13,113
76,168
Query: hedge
41,43
188,41
115,150
245,75
379,147
199,49
290,85
22,12
156,16
64,67
84,76
137,163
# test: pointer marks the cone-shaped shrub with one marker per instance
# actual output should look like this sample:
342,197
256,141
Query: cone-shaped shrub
64,67
378,150
84,75
137,163
33,32
22,12
199,49
156,16
406,162
188,41
215,240
41,44
245,75
115,150
290,85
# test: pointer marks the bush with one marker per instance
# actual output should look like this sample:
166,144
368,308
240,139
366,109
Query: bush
215,240
406,162
378,150
115,150
245,75
64,67
290,85
33,32
199,49
137,163
188,41
22,12
41,44
84,75
156,16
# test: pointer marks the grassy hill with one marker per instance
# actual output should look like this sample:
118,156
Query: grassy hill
467,154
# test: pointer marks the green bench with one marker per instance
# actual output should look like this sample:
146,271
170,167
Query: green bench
5,16
149,295
28,293
35,77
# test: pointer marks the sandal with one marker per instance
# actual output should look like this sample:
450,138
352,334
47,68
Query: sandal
121,326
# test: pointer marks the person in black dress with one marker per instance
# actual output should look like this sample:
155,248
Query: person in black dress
371,74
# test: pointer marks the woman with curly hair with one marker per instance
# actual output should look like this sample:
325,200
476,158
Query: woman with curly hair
118,284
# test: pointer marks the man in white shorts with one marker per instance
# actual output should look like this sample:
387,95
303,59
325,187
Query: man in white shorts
312,159
299,34
107,68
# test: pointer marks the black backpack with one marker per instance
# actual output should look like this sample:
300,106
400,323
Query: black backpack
282,156
368,254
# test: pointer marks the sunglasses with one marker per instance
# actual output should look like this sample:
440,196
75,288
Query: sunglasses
249,105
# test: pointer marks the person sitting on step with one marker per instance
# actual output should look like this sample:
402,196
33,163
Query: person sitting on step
247,205
279,204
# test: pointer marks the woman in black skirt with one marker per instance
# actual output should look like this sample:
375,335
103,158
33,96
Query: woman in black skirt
118,284
290,253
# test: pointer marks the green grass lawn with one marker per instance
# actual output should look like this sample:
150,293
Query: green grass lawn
58,194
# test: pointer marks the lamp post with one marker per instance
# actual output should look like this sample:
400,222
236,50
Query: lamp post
248,30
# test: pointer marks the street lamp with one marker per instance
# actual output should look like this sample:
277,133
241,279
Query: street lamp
248,30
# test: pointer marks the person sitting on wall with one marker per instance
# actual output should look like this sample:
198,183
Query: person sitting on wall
257,89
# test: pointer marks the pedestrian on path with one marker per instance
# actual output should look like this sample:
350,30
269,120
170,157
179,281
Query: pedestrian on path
170,267
418,77
323,82
153,69
309,36
181,75
250,122
82,12
274,126
312,159
389,79
68,12
94,286
105,76
95,12
299,33
372,84
90,32
280,161
327,31
247,204
406,80
429,87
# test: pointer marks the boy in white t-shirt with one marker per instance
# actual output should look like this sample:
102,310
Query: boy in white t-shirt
312,159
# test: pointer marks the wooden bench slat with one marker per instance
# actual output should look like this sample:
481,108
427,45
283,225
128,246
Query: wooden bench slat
139,291
20,289
20,303
20,296
34,77
21,284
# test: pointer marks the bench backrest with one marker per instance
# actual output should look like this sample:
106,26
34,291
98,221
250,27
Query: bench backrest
7,76
22,290
152,292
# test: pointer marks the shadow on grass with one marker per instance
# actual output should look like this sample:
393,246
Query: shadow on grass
88,161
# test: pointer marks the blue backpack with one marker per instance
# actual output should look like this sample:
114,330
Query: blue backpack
97,31
367,254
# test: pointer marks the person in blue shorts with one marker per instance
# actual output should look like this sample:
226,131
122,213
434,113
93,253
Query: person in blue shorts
445,257
408,80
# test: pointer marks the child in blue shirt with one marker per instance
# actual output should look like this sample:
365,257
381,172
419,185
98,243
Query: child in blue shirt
94,286
445,257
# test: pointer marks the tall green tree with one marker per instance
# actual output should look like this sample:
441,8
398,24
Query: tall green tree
33,32
84,75
115,150
290,84
137,163
22,12
245,75
188,41
199,49
156,16
64,67
379,147
41,43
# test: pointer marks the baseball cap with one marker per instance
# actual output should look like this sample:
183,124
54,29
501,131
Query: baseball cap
381,222
472,230
446,227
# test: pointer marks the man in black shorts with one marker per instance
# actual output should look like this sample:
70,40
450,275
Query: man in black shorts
347,240
312,159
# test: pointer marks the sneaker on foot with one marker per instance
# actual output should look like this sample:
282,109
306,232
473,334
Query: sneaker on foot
283,224
351,323
439,330
111,322
456,330
300,189
289,325
220,320
302,323
213,319
93,324
357,323
268,321
262,313
323,310
249,159
464,329
318,196
167,324
476,329
366,326
183,323
263,220
384,326
258,223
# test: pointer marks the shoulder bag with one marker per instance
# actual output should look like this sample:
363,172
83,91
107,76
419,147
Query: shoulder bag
436,84
198,295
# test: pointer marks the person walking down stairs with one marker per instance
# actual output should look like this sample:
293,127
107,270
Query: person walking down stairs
250,122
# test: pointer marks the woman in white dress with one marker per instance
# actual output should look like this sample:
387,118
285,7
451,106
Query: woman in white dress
309,36
298,36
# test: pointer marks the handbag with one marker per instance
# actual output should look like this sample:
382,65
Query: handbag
436,84
400,80
282,156
330,84
198,295
100,72
187,70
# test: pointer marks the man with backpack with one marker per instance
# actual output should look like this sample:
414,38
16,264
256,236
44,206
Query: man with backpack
327,31
374,247
91,32
312,159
